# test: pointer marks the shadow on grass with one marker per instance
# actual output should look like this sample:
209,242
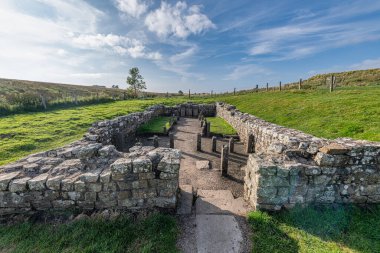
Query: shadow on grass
267,236
156,233
318,229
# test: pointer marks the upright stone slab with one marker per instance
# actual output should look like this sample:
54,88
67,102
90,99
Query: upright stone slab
208,128
231,144
224,160
199,142
171,140
250,145
183,111
155,141
213,144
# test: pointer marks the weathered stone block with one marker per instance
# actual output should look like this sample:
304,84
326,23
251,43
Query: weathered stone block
142,165
272,181
334,149
94,187
90,177
38,183
75,195
146,176
122,166
267,192
165,202
19,185
54,183
312,170
164,175
105,176
5,178
281,172
267,170
80,186
63,204
140,184
323,159
90,196
144,193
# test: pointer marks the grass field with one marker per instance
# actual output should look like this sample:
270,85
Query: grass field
312,230
220,127
156,233
348,112
156,125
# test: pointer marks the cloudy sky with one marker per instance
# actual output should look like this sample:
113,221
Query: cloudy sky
202,44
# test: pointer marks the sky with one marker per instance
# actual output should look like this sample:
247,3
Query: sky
201,45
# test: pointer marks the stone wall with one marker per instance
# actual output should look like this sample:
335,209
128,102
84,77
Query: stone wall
89,176
92,173
121,131
290,167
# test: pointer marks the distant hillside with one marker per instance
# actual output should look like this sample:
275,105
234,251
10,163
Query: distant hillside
349,78
22,95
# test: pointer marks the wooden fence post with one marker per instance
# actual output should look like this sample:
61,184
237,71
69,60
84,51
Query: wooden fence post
43,101
300,84
332,83
280,86
224,160
189,93
257,88
234,91
267,87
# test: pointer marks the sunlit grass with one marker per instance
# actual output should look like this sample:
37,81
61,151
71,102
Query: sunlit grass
343,229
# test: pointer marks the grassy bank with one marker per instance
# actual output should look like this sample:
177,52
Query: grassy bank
23,134
220,127
156,125
348,112
156,233
326,230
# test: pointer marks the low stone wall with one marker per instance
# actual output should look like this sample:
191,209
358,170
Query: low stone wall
121,131
89,176
290,167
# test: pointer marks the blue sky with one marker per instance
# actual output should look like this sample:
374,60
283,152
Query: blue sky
202,45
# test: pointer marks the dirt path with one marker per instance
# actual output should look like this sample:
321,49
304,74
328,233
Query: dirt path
212,209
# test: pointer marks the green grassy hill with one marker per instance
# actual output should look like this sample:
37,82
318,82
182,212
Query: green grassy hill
22,96
349,78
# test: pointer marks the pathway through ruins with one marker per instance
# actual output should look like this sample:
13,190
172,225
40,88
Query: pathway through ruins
211,208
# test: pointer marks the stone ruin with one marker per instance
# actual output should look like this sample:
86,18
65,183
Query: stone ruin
285,167
95,174
288,167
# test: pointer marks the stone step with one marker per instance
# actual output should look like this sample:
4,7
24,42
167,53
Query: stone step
218,233
216,194
185,202
221,206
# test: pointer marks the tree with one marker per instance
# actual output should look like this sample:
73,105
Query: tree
135,80
180,93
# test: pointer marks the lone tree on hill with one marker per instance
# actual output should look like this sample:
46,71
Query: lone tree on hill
135,80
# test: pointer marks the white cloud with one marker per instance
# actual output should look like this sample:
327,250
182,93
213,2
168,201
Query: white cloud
134,8
119,44
367,64
177,20
242,71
